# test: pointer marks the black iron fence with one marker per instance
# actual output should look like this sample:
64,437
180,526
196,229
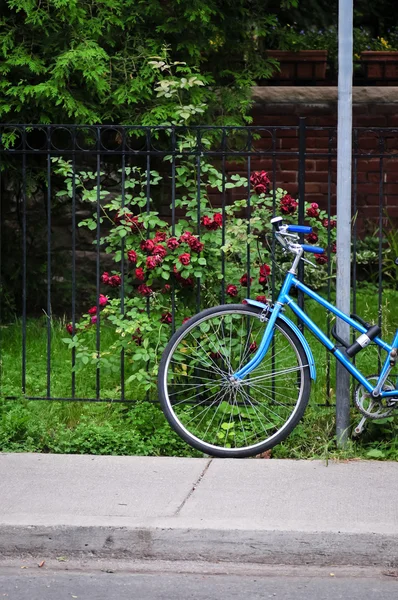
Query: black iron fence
75,198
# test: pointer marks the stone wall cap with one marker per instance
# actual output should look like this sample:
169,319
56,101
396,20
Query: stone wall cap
322,94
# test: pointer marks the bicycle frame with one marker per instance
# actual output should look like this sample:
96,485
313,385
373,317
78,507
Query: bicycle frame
283,300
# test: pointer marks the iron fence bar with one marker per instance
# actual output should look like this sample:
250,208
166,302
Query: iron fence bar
49,318
381,207
248,210
329,272
198,207
301,212
223,212
1,275
73,271
122,266
24,272
98,258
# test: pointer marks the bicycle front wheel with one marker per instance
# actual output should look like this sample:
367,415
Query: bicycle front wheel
220,416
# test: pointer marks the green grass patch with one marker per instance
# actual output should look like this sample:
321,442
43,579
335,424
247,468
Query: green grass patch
140,428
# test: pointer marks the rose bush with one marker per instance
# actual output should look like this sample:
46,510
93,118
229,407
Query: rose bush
165,267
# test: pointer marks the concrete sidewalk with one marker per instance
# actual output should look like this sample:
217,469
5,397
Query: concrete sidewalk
260,511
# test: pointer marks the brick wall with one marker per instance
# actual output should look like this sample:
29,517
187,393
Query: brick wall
375,181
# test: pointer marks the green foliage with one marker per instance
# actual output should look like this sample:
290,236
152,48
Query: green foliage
89,62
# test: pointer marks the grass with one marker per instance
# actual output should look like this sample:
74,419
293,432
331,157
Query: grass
140,428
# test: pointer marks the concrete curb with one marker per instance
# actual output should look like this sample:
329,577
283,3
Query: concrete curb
208,545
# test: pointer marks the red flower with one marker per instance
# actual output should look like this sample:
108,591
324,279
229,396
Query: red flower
132,256
137,337
92,310
172,243
166,318
265,272
129,219
153,261
103,300
147,245
115,281
259,180
288,205
327,222
313,210
105,277
217,218
206,222
185,258
186,282
334,248
166,288
243,280
160,236
144,290
312,238
94,319
69,328
139,274
321,259
159,251
262,299
253,347
185,319
185,237
231,290
195,244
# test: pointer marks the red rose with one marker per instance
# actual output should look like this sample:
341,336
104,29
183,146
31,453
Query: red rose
147,245
160,236
166,318
172,243
185,319
153,261
253,347
195,244
185,258
137,337
94,319
186,282
288,205
129,219
144,290
217,218
206,221
334,248
139,274
159,251
313,210
231,290
243,280
262,299
321,259
69,328
105,277
166,288
265,272
115,281
326,223
260,189
312,238
92,310
103,300
185,237
132,256
260,178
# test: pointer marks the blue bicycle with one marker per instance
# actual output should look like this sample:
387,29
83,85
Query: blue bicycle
235,380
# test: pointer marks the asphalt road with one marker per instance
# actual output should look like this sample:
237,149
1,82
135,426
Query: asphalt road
18,582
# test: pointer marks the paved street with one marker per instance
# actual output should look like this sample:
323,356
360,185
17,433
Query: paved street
220,584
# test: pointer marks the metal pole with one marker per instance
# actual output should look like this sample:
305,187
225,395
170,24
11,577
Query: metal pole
344,157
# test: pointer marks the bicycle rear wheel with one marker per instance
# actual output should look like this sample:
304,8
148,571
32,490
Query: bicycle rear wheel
217,415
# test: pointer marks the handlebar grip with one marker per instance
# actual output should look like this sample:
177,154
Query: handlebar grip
276,222
313,249
299,229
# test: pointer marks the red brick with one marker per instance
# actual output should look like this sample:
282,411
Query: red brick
288,176
373,176
285,120
288,144
372,121
288,164
316,177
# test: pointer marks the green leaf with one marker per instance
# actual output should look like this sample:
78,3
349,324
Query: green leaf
375,453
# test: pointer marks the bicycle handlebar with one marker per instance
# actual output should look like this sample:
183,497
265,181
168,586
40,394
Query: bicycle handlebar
281,229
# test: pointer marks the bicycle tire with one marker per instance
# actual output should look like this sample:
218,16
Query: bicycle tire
212,383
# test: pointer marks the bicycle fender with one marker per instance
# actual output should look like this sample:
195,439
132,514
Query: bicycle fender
293,326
